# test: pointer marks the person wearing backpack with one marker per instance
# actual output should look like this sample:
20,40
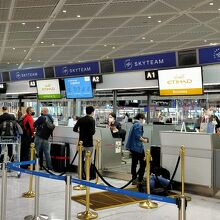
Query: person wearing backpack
44,129
27,124
7,128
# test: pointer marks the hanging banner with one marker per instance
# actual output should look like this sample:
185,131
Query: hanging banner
209,55
77,69
27,74
155,61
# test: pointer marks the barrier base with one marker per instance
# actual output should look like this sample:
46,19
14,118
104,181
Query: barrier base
87,215
29,194
40,217
79,187
188,198
148,204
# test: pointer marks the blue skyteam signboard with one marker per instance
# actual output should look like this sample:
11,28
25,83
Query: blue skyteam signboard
154,61
209,55
77,69
27,74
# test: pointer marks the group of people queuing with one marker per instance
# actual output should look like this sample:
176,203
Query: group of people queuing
37,131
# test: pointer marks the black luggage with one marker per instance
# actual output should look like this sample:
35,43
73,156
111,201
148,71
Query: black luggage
60,156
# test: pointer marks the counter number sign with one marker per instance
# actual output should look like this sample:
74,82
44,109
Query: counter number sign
32,83
152,74
97,79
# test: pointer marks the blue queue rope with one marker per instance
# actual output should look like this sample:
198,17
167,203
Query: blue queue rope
13,166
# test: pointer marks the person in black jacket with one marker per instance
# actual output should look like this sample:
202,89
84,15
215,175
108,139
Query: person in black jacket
86,128
7,117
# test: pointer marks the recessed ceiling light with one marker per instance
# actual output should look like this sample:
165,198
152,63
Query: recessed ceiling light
53,45
78,16
105,45
29,58
159,21
79,61
13,48
205,41
38,60
149,16
151,41
64,11
17,64
41,42
107,57
211,3
113,47
219,9
23,23
37,27
8,63
213,44
143,38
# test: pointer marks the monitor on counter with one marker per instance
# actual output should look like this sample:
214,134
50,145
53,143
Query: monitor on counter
182,81
48,89
3,87
78,87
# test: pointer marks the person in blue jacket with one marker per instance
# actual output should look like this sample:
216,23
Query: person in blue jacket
135,144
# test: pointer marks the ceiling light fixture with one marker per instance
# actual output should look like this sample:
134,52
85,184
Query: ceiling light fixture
13,48
29,58
211,3
213,44
37,27
78,16
41,42
8,63
38,60
23,23
53,45
113,48
151,41
159,21
17,64
143,38
205,41
149,17
25,51
64,11
105,45
219,9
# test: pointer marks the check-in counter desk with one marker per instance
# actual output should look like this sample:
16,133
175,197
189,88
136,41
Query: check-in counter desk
201,159
110,149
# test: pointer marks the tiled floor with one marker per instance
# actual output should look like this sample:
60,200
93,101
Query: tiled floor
52,193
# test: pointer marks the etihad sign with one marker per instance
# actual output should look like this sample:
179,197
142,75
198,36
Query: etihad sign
179,81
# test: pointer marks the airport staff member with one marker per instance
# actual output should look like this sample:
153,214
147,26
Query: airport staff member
86,128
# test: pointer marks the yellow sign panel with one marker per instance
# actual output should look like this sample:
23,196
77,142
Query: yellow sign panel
185,91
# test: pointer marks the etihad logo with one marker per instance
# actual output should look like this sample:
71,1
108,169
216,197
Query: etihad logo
216,54
179,81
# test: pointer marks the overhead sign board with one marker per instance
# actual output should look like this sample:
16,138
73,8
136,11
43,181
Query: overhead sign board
77,69
154,61
209,55
27,74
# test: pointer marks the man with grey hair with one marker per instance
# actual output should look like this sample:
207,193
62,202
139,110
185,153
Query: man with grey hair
44,129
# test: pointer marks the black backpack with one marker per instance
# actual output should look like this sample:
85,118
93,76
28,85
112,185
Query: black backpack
46,129
8,129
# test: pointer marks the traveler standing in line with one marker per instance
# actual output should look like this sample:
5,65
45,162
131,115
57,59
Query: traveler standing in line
86,128
136,147
28,134
44,129
7,117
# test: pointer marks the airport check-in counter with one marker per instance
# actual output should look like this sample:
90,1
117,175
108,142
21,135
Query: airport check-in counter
202,154
110,148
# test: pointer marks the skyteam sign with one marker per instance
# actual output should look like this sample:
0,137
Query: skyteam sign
209,55
77,69
155,61
27,74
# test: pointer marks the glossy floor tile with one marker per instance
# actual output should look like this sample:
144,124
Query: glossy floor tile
52,195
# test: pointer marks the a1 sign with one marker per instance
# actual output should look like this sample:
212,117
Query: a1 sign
97,79
152,74
32,83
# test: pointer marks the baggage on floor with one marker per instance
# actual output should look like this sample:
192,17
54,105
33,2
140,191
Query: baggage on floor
60,156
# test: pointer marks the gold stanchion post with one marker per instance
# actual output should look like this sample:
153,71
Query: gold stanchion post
97,159
80,168
87,214
30,193
148,204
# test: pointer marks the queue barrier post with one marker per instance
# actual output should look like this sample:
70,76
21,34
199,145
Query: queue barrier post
148,204
97,148
30,193
68,193
80,168
4,185
87,214
36,215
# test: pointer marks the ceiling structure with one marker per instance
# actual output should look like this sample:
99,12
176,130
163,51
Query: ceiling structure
37,33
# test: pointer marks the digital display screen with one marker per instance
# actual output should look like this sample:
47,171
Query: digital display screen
79,87
3,87
182,81
48,89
